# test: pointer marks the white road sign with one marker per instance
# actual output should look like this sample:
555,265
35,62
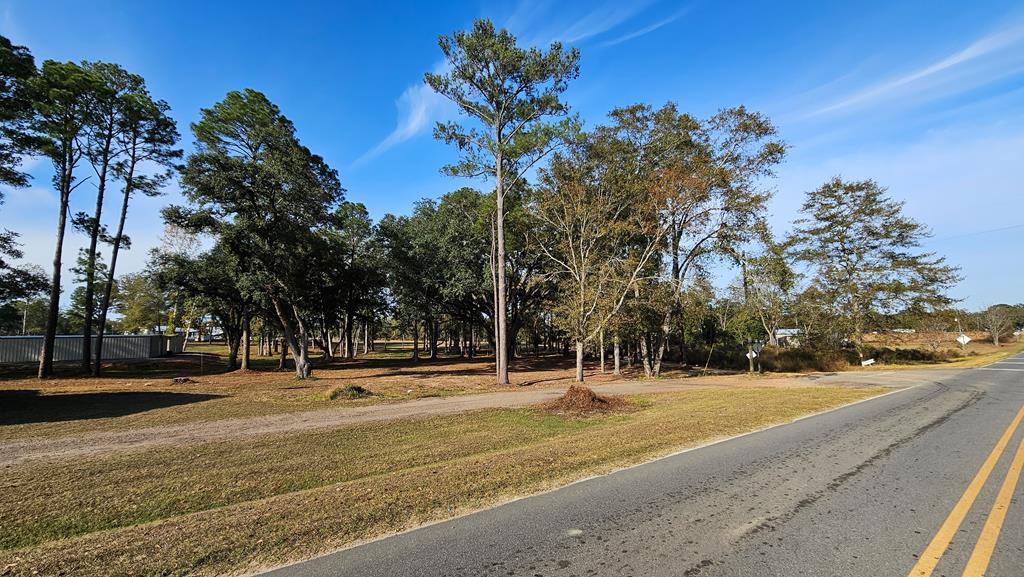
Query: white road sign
750,355
963,339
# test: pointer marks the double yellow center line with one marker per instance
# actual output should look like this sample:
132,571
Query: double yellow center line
983,550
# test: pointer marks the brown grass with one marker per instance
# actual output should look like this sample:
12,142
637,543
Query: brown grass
221,395
233,507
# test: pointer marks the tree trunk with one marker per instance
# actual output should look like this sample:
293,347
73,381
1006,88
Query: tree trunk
512,338
656,367
246,328
366,337
496,337
355,340
645,357
343,337
303,360
600,344
431,335
50,336
415,341
666,328
298,345
349,328
282,362
99,347
501,306
90,267
579,361
233,342
616,354
328,343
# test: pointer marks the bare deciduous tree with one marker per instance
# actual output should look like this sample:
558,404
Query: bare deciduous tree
998,321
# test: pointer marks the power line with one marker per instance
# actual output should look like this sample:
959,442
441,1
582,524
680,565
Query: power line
976,233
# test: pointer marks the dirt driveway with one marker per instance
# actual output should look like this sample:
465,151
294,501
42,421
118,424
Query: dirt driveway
96,443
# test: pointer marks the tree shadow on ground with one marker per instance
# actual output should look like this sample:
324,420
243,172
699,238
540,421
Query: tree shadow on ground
21,407
180,365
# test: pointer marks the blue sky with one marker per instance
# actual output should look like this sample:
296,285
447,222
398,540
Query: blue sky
925,97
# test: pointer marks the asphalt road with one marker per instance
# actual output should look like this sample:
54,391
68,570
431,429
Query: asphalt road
917,482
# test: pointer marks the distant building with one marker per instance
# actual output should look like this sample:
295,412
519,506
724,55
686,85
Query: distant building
788,337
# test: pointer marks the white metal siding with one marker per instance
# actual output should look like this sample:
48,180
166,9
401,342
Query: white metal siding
26,349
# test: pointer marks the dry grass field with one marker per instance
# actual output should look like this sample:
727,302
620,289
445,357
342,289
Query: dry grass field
233,504
232,507
143,394
979,351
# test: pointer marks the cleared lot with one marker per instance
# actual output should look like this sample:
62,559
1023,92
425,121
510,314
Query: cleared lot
237,504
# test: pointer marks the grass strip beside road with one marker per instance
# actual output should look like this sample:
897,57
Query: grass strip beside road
986,359
233,507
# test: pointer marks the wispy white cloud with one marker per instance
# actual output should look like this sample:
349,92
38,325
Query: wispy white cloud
976,56
647,29
540,22
536,22
419,107
10,28
601,20
957,180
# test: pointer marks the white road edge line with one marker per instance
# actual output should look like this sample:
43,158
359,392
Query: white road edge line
995,369
592,477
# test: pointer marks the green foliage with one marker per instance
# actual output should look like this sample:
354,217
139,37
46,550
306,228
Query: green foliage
212,278
17,67
597,234
268,200
865,257
17,282
63,94
27,317
706,177
143,306
508,91
80,307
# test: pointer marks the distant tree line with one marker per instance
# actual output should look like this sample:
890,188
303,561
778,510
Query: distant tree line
599,242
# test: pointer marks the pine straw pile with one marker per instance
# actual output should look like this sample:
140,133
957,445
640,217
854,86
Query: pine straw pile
347,392
582,401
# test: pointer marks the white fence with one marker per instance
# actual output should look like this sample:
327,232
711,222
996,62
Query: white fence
26,349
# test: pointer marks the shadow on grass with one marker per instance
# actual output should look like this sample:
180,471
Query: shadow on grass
181,365
21,407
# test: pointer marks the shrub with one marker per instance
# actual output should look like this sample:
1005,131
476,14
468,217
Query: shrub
347,392
886,355
802,360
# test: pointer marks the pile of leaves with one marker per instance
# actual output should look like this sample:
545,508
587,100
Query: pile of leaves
579,400
348,392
